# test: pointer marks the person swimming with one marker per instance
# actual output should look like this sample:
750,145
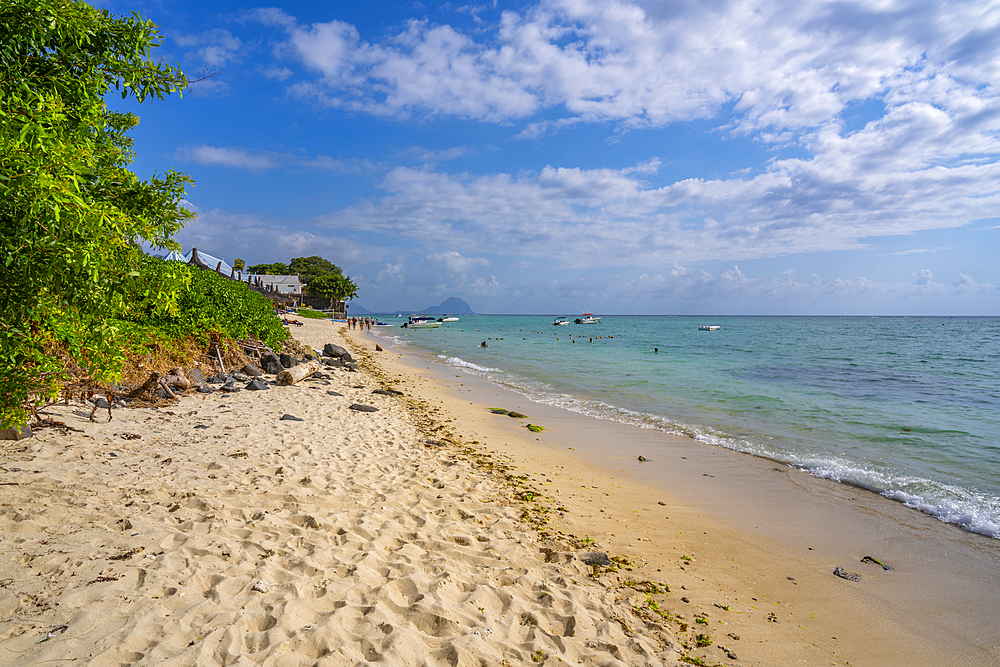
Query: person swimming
483,344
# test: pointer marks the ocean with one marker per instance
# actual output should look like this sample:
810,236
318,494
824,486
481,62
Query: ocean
908,407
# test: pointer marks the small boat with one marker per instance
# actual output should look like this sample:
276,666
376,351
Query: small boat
421,322
587,318
448,318
560,321
709,327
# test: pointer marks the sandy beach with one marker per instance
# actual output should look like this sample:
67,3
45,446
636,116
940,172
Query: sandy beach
434,532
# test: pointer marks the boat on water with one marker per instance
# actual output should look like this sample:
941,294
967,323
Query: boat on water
448,318
587,318
709,327
560,321
421,322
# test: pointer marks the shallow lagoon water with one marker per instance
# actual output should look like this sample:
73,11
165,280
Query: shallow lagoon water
908,407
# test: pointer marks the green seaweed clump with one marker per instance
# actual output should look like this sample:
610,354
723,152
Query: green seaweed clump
535,428
498,411
517,415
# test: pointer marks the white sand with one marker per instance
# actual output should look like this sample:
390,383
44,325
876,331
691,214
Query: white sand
223,535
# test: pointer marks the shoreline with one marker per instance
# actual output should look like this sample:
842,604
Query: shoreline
283,527
934,607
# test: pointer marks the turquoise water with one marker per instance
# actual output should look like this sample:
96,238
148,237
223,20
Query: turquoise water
908,407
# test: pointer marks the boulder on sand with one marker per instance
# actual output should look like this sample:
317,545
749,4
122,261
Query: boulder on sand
271,363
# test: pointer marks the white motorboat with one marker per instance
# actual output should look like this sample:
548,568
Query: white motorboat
421,322
587,318
560,321
448,318
709,327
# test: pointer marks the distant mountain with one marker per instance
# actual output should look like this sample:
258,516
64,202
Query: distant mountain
355,308
451,306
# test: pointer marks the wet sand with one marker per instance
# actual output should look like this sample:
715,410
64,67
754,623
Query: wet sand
764,538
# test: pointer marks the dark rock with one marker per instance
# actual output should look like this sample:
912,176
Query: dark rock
333,362
287,360
196,376
351,365
378,348
252,370
333,393
256,384
388,392
159,393
358,386
844,574
217,379
101,403
363,408
684,599
230,388
331,350
202,426
19,433
595,558
271,363
205,389
239,377
643,459
291,418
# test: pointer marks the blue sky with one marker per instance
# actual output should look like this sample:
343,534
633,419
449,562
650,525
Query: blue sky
697,156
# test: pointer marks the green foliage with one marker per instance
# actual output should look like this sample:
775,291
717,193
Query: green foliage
333,286
309,268
215,304
312,314
273,269
72,216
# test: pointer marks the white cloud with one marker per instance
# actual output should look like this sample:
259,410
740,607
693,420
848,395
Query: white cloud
213,48
456,263
785,65
784,293
255,239
785,72
605,217
226,157
277,73
240,158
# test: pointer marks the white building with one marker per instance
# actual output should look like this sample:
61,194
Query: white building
281,284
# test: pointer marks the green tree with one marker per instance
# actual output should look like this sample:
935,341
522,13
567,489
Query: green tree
73,218
273,269
333,286
239,264
308,268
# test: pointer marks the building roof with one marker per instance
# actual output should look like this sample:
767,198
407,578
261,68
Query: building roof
206,259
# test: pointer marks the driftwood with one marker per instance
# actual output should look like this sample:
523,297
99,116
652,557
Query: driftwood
146,386
175,378
296,373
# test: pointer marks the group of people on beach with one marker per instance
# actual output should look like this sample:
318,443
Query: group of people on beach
360,323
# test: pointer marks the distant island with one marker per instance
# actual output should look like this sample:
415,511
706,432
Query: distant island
450,306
